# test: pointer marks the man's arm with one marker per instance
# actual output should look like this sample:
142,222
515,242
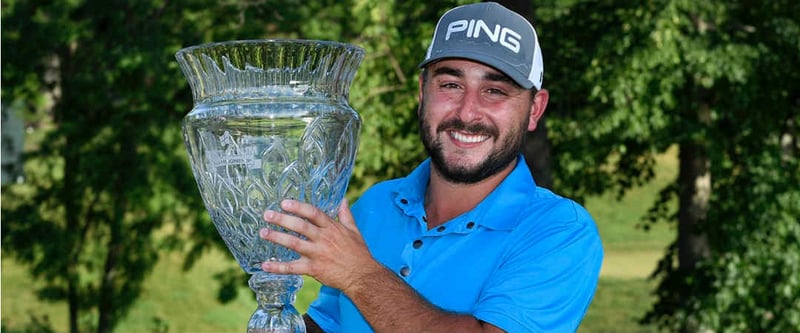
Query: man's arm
336,255
391,305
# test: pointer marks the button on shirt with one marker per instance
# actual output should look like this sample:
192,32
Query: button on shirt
524,259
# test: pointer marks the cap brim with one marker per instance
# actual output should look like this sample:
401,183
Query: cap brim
497,63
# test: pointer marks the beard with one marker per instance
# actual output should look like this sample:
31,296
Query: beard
498,159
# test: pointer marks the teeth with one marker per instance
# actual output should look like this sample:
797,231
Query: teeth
468,138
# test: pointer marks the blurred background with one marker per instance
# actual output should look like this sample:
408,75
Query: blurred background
675,122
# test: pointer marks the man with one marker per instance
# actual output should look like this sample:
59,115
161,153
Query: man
467,242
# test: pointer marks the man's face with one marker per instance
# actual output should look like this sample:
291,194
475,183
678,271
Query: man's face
473,119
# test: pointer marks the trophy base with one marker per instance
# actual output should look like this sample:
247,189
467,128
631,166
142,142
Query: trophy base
275,295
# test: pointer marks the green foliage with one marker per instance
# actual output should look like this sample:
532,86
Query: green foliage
107,188
108,171
654,65
394,35
105,170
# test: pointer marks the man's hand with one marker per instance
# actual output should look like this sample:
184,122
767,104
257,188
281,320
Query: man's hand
333,252
336,255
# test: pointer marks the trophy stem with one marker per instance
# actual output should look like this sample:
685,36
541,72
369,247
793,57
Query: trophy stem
275,295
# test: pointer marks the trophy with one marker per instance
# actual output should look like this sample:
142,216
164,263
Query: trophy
270,121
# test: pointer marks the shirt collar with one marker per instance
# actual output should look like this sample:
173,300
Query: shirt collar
499,210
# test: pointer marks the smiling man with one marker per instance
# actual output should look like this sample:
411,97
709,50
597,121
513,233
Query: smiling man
466,242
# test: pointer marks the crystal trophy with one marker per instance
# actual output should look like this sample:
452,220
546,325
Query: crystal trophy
271,121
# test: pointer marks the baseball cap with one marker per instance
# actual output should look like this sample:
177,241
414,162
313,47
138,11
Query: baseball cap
491,34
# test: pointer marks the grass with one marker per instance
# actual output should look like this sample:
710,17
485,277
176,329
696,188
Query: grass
624,293
172,300
618,306
175,301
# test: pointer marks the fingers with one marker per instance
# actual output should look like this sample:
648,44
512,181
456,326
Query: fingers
298,222
290,241
346,216
289,222
308,221
307,211
278,267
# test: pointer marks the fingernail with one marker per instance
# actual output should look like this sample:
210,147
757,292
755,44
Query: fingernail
287,203
268,215
263,232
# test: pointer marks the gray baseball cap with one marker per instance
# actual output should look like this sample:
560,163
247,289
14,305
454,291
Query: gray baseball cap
491,34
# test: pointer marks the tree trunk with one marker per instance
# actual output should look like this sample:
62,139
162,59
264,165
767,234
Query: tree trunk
695,189
105,308
71,216
537,146
57,69
694,181
72,299
538,156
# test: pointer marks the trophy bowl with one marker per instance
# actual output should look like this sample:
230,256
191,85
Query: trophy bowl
271,121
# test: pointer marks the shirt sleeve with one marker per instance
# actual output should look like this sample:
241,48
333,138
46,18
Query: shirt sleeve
548,277
325,309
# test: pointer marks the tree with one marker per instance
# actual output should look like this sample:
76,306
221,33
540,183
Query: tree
719,81
394,35
107,170
538,147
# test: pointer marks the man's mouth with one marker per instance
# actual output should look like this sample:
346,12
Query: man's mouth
468,138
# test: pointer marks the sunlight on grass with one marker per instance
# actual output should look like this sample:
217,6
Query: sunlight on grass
624,293
618,305
19,301
629,264
173,300
630,250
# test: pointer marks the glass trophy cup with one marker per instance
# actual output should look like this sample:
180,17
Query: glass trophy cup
270,121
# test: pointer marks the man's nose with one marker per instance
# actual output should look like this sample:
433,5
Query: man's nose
470,108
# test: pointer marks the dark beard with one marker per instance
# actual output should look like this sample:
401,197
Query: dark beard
496,161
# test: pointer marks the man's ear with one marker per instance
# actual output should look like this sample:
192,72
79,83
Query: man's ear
537,108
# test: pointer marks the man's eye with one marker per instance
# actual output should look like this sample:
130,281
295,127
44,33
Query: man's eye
494,91
449,85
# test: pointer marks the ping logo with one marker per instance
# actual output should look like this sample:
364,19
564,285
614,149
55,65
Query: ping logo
472,28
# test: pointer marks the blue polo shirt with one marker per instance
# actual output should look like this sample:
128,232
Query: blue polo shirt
524,259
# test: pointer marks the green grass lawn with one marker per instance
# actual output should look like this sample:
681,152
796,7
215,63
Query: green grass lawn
624,293
618,305
174,301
